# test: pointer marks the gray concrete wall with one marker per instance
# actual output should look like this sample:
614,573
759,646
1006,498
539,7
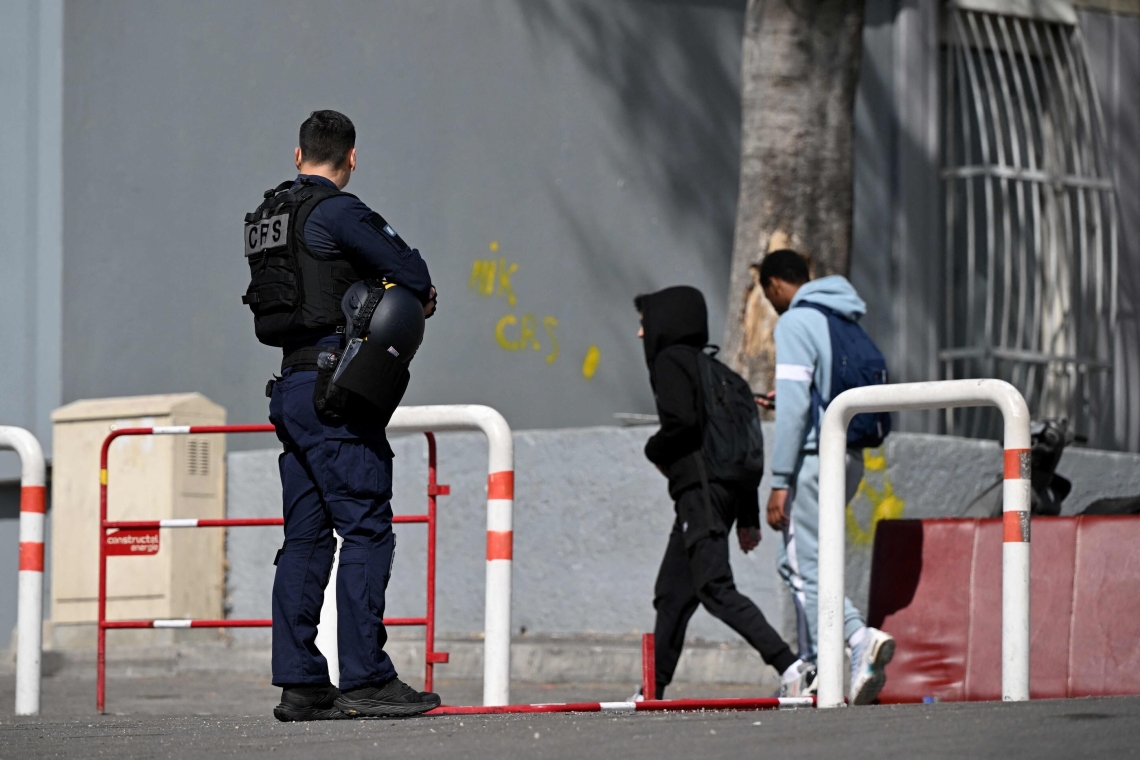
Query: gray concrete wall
594,145
591,518
31,120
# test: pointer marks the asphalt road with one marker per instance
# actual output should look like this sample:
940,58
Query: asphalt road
227,694
157,719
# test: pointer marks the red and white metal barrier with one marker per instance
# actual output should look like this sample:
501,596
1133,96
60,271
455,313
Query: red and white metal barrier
832,502
431,656
407,419
30,589
648,705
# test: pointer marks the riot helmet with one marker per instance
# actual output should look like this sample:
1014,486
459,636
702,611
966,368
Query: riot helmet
385,328
394,324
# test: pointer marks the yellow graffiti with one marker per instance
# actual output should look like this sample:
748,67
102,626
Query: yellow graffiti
491,277
590,363
482,277
526,332
885,505
550,323
504,342
875,460
527,337
494,246
505,273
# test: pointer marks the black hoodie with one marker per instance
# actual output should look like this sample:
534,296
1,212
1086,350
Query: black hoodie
675,322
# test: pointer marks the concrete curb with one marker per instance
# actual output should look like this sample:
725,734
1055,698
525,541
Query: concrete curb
533,660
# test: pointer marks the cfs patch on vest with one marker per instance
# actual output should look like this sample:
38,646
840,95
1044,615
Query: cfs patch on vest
266,234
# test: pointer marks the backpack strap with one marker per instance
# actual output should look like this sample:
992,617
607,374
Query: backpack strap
817,402
826,311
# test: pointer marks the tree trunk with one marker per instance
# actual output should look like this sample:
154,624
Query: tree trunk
800,70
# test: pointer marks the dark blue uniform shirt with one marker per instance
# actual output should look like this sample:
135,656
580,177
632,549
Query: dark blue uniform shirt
340,228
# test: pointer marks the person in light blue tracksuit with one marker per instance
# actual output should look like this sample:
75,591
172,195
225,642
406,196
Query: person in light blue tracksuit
803,362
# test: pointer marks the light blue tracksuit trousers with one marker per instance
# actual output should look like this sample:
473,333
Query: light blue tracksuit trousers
798,560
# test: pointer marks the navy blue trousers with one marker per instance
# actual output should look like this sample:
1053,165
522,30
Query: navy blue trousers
332,477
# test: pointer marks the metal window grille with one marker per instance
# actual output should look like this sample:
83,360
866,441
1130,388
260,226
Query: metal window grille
1031,257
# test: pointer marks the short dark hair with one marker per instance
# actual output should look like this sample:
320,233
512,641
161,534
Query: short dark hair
786,265
326,138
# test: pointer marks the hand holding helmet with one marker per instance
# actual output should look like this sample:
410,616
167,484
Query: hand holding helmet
432,302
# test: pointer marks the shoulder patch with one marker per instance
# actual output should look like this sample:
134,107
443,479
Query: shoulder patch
377,222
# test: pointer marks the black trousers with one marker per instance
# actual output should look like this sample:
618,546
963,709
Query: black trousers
695,571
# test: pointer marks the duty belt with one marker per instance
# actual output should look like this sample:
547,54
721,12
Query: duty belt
303,359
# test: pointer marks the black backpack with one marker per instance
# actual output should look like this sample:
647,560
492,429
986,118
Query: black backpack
733,446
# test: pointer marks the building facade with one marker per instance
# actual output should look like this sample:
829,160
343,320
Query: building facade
550,159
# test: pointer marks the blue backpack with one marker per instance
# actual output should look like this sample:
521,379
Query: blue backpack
855,361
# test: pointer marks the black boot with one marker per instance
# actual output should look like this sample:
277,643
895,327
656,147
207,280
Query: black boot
309,702
393,699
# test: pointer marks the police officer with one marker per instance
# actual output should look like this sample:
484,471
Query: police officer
306,244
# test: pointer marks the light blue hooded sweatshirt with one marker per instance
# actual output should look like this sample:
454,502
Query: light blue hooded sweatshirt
803,359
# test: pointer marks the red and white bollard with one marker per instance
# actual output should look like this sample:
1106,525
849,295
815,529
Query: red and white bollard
939,394
500,529
1016,498
30,589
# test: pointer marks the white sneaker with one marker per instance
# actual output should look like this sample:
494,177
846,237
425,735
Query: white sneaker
868,662
804,685
637,697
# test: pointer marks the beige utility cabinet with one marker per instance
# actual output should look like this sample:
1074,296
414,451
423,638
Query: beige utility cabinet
149,478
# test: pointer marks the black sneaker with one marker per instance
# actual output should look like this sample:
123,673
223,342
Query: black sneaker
393,699
309,702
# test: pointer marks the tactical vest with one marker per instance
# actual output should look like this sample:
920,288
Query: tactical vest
293,295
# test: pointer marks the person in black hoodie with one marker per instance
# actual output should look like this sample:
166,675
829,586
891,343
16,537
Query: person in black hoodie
695,569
